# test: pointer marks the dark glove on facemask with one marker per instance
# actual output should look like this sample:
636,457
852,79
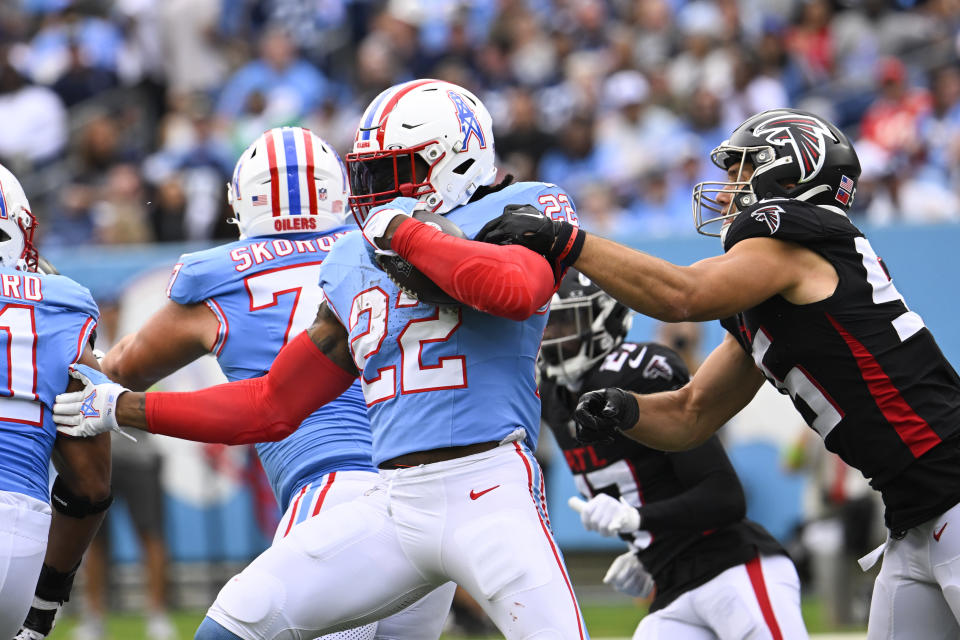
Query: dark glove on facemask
558,241
601,414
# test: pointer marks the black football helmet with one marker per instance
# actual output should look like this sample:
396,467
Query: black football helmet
795,154
586,323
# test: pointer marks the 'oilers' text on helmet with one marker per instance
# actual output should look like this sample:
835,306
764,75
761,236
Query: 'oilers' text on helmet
17,225
586,323
424,139
794,154
288,180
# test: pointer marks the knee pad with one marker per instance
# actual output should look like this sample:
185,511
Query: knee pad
210,629
70,504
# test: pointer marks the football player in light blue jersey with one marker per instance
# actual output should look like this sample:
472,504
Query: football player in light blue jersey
243,301
451,393
45,326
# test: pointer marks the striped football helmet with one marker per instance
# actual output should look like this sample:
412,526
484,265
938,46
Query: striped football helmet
289,180
425,139
17,225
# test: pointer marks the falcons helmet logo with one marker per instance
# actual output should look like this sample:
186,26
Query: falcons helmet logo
806,137
770,215
658,367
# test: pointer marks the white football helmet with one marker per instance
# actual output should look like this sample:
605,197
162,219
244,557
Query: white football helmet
288,180
425,139
17,225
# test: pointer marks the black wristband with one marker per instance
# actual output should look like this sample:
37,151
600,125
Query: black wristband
568,244
629,410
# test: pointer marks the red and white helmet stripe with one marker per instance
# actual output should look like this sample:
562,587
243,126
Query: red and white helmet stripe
288,180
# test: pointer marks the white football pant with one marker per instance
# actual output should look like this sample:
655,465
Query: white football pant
479,521
917,593
758,600
24,527
421,621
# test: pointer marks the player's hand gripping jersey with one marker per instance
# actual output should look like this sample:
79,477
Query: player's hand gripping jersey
45,322
460,354
861,352
691,504
264,292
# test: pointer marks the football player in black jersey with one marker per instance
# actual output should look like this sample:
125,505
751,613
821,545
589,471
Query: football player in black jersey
681,514
810,307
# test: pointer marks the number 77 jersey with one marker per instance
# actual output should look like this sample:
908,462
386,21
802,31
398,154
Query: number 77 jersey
860,366
263,291
45,323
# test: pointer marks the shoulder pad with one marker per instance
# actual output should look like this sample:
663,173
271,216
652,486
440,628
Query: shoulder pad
790,220
61,291
348,249
550,199
196,275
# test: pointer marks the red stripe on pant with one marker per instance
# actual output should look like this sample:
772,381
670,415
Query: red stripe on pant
546,532
323,492
755,571
293,512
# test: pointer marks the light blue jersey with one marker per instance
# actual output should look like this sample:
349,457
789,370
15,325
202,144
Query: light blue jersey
264,292
437,378
45,322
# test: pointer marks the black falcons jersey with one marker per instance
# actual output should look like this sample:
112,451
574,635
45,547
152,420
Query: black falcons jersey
691,503
861,368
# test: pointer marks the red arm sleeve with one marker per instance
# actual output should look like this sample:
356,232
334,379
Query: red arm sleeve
507,281
263,409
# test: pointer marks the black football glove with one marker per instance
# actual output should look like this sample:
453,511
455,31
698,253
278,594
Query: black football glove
602,414
558,241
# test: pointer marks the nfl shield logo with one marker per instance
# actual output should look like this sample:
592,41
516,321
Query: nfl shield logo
322,193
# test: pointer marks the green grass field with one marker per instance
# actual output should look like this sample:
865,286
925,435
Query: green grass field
602,621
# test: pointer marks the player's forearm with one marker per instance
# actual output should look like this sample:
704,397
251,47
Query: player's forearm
507,281
713,496
131,410
708,505
668,422
118,366
268,408
647,284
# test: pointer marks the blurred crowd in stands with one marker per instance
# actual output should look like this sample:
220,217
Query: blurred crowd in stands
124,117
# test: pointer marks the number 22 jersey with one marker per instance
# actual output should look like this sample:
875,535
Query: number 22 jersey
433,377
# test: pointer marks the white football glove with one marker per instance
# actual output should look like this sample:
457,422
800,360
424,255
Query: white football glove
606,515
628,575
92,410
376,225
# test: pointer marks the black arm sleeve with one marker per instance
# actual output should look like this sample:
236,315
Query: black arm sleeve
713,497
